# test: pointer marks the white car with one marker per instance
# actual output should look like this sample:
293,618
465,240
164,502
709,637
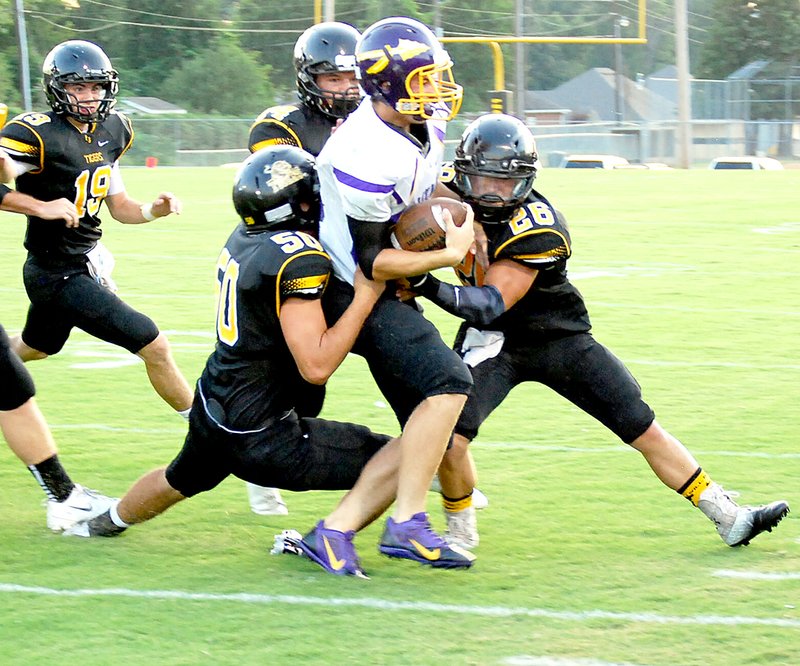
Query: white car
746,162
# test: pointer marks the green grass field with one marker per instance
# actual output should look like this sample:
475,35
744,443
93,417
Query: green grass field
585,559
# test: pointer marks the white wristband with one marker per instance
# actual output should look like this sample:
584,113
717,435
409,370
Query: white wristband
147,212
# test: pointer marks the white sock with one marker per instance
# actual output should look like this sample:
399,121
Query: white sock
184,412
112,512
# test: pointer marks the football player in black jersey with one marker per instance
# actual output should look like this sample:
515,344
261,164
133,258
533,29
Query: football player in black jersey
325,66
21,421
525,321
271,332
73,152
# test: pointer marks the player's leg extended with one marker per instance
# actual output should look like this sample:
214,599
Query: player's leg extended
423,443
372,494
164,375
150,496
98,311
426,382
604,388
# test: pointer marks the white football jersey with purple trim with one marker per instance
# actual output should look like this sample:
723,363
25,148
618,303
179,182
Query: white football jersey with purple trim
372,172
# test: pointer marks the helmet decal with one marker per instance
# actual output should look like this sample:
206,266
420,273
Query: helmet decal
402,63
405,50
282,174
277,188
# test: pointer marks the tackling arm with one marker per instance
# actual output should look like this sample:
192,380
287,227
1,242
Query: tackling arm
317,349
506,283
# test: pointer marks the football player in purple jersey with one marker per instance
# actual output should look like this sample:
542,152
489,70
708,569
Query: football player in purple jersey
383,158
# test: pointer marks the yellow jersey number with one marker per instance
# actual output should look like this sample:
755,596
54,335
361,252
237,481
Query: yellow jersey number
293,241
91,189
530,215
227,326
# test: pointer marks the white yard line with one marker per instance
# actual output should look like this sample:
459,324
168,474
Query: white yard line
528,660
756,575
412,606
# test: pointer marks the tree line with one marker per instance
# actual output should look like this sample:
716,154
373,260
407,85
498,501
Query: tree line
234,57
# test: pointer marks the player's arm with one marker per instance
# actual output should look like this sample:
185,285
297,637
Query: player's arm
379,260
129,211
59,209
317,349
506,282
7,170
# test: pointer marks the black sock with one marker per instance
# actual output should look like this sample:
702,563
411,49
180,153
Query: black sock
53,478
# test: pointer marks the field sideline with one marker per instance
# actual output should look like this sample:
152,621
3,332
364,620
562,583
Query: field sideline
585,559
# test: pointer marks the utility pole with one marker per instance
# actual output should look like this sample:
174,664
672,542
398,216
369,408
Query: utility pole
24,65
437,19
520,53
684,90
619,100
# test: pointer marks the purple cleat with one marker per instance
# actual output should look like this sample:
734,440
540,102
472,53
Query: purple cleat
332,550
415,540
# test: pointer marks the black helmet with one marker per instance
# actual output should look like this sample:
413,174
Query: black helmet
496,146
325,48
76,61
270,187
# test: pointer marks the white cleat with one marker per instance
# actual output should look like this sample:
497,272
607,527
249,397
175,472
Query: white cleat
738,525
81,505
462,528
266,501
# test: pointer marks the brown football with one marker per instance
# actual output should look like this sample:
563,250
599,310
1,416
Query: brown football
421,227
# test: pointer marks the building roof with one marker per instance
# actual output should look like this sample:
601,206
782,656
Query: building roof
592,95
151,105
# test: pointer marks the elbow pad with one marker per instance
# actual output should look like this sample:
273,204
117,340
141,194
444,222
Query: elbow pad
476,305
369,238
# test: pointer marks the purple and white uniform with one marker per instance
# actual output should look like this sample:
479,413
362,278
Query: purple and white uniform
372,185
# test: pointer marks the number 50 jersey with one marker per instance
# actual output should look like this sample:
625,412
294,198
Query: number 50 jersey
66,163
252,373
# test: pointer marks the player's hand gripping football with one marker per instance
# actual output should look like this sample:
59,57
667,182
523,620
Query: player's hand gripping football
459,240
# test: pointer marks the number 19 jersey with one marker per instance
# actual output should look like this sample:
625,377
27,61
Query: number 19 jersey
66,163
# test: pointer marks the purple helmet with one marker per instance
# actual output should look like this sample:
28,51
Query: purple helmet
403,64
